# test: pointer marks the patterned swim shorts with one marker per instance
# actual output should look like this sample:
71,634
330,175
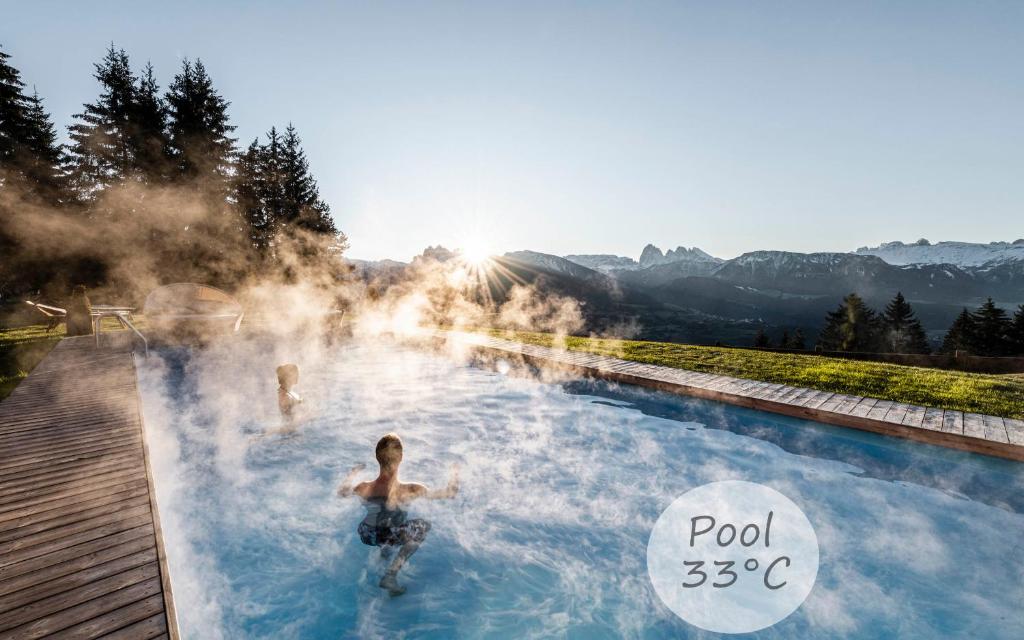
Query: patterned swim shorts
410,531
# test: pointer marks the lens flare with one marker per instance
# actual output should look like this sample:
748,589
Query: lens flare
475,253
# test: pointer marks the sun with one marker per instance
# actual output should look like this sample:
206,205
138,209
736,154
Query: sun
475,253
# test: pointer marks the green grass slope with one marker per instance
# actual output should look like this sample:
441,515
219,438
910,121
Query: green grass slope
1001,395
21,349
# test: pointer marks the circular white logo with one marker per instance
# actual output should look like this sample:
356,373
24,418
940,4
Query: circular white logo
733,556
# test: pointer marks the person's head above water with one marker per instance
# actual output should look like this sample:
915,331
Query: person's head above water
288,376
389,452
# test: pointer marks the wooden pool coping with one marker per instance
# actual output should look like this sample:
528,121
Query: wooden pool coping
81,549
989,435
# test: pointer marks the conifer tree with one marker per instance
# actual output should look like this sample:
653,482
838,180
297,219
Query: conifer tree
31,173
761,340
273,180
902,332
991,330
250,187
960,336
829,337
148,129
784,340
303,207
200,141
202,159
13,111
278,197
853,326
30,155
44,165
101,139
798,341
1017,332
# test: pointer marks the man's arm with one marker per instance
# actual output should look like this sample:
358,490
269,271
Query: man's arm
420,491
346,489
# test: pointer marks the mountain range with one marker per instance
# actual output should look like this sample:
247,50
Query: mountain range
686,294
963,254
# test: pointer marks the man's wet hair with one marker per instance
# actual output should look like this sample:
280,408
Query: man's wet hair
389,450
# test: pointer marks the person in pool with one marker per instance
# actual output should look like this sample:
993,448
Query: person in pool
385,524
287,401
287,398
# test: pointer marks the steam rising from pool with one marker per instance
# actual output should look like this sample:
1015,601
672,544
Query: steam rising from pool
562,483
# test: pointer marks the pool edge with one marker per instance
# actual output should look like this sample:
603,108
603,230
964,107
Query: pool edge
603,367
161,553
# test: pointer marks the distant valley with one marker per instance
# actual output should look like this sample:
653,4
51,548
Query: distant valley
686,294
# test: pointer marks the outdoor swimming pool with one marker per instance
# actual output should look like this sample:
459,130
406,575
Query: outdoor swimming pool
561,486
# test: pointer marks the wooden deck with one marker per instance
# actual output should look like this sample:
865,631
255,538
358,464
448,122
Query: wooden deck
991,435
80,548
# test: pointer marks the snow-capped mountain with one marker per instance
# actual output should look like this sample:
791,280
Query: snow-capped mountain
556,264
962,254
651,256
603,262
771,265
825,274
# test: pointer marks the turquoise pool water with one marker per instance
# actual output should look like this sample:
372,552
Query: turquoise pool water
562,483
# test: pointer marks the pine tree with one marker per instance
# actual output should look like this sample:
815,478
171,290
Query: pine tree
30,156
202,159
829,338
273,181
902,332
992,329
798,341
784,340
761,340
851,327
30,173
101,139
960,336
255,185
13,112
1017,332
148,129
259,191
249,189
45,165
278,197
200,134
303,207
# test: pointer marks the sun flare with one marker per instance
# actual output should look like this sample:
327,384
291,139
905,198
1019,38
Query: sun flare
476,253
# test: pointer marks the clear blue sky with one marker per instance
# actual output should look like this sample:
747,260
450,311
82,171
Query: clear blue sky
598,127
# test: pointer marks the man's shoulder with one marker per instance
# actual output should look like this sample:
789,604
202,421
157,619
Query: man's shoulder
414,488
362,489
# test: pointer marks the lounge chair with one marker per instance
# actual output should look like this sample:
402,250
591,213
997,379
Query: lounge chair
54,315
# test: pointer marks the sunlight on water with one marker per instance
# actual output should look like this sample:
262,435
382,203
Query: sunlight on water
562,484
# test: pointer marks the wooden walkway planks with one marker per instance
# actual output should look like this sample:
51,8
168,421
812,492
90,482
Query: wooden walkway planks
991,435
80,548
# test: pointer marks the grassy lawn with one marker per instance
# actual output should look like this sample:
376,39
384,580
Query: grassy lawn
1001,395
21,349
